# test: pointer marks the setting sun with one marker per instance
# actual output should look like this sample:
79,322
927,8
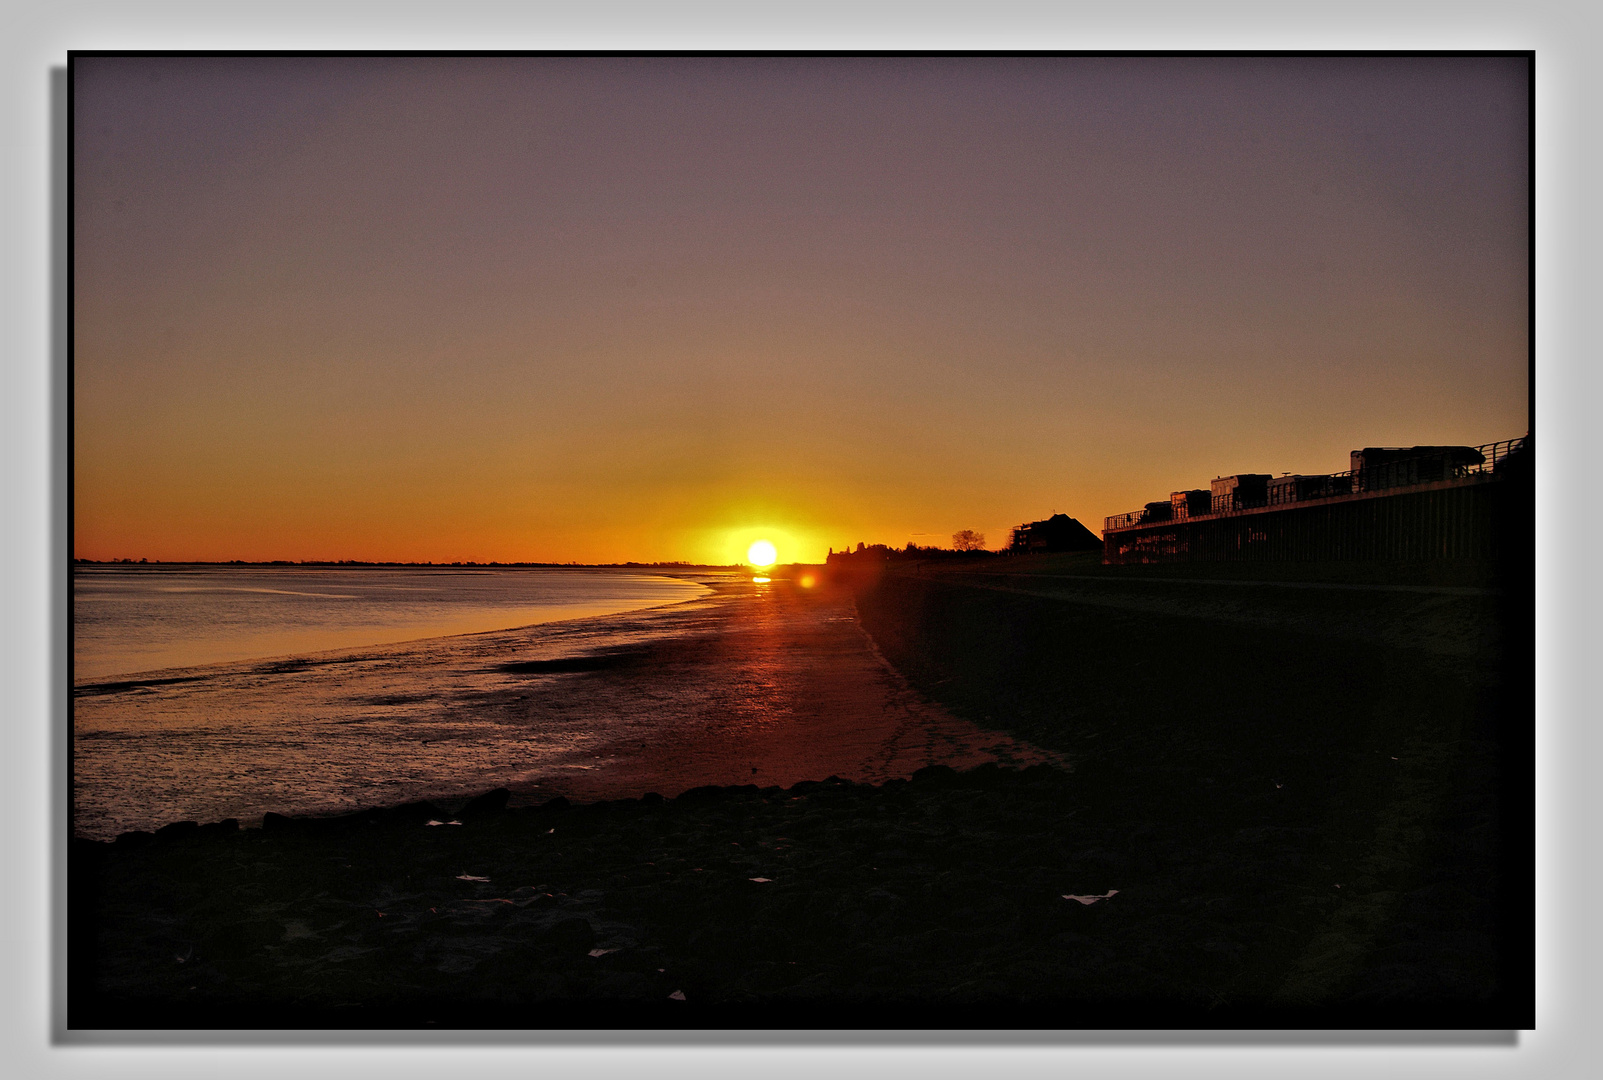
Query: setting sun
762,553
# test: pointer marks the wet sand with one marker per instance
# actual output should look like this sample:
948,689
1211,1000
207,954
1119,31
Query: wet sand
755,683
775,684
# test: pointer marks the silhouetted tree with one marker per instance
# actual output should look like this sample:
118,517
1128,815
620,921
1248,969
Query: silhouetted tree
968,540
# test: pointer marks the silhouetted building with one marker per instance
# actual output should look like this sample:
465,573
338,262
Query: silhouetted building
1059,532
1378,467
1240,492
1290,489
1416,502
1190,504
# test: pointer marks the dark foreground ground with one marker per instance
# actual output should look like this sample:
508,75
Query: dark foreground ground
1290,806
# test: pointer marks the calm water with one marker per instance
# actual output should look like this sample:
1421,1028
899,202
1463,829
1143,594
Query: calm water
203,693
130,620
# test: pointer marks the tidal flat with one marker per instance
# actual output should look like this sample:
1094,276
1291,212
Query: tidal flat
745,683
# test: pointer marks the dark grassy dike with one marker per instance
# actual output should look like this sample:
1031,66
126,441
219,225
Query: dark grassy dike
1321,797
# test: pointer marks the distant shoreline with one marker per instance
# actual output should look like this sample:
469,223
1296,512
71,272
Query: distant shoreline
184,616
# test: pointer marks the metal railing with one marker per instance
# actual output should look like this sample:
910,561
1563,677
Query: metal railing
1398,472
1124,521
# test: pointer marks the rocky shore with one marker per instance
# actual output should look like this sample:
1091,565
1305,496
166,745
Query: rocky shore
954,899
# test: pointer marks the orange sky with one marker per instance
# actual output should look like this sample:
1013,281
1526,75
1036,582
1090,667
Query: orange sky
652,309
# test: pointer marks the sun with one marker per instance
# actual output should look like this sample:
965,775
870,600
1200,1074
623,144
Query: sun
762,553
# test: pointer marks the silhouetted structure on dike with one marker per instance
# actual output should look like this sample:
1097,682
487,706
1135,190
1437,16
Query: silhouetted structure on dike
1396,503
1059,532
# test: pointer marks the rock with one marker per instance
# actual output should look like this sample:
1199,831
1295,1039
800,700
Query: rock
988,775
491,802
709,793
570,935
415,813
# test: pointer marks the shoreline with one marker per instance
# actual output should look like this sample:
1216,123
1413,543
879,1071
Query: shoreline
771,684
444,623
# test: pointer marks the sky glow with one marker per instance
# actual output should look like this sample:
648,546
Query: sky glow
594,310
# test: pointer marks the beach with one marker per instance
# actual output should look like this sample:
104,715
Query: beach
766,684
1006,804
750,683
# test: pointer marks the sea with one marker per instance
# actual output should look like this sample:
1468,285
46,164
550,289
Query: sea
208,692
135,619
